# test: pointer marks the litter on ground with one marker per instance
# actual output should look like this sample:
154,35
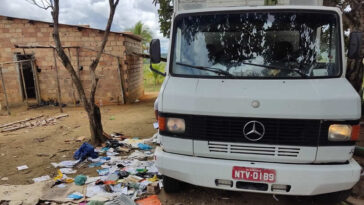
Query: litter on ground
68,171
22,167
124,171
42,178
68,163
75,195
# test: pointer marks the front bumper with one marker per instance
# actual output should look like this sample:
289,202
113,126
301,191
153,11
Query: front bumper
303,179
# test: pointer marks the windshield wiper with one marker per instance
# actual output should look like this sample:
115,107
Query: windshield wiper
214,70
279,68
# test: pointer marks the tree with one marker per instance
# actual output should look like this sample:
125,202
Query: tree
165,12
157,77
140,29
93,111
353,20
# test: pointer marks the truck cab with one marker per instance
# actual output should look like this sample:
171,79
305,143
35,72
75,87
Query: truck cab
255,99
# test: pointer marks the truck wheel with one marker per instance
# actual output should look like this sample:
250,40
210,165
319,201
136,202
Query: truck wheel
171,185
334,197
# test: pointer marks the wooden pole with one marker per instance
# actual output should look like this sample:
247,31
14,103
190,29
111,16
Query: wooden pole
35,77
23,82
40,46
78,68
78,62
20,121
4,90
58,86
72,85
121,77
91,49
11,62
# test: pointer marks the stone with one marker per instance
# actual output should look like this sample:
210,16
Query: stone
153,188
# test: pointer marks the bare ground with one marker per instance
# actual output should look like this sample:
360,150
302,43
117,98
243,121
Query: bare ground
40,146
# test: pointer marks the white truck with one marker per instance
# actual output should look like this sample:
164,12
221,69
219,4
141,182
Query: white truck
255,99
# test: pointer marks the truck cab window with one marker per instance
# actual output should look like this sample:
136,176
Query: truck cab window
257,45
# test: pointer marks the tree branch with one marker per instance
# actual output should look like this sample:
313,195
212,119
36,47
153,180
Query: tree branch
44,4
95,62
112,5
350,18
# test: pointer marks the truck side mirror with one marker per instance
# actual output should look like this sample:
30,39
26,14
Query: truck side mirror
355,43
155,55
155,51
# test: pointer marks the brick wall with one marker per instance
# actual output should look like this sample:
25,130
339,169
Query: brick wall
133,63
23,32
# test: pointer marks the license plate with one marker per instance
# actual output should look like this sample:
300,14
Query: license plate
254,174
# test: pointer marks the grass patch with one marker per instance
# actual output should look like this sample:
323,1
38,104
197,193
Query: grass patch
153,81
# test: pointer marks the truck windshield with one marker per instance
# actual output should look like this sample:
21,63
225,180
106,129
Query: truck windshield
281,44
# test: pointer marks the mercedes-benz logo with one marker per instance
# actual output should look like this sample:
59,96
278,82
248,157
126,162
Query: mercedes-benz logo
253,130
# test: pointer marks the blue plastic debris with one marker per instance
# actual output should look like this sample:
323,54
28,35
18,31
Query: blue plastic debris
105,158
75,195
95,164
104,149
103,172
86,150
143,146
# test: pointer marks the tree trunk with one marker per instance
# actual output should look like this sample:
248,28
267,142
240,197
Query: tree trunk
96,129
354,73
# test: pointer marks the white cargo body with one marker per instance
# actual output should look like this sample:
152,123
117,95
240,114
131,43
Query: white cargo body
255,97
181,5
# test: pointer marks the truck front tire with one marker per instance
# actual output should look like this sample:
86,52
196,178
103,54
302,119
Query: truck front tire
171,185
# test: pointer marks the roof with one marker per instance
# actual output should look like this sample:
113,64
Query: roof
127,34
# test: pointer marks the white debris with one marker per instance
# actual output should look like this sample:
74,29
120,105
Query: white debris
68,171
61,186
42,178
69,163
133,142
92,180
93,190
137,155
22,167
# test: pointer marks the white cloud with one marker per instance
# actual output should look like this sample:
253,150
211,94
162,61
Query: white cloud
92,12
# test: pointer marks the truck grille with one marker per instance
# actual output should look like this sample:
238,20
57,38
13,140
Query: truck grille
277,131
277,151
291,132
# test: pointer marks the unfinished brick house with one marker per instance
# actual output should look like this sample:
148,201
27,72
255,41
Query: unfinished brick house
120,68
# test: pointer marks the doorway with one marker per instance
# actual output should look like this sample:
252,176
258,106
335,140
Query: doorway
28,76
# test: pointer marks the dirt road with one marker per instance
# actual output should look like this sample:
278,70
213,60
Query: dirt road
40,146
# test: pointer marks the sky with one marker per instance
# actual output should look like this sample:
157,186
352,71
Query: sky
92,12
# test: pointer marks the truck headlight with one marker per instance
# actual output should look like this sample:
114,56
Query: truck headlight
176,125
339,132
